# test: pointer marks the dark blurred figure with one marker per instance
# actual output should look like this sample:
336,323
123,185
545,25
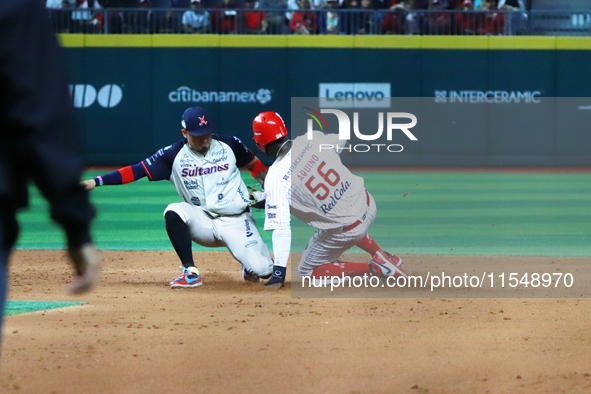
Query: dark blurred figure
422,4
516,20
256,21
304,21
489,22
117,21
367,18
181,4
136,16
224,20
142,19
38,139
466,20
163,18
438,23
275,15
60,13
350,17
401,19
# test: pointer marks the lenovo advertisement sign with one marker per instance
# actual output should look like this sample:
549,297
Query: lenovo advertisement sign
354,95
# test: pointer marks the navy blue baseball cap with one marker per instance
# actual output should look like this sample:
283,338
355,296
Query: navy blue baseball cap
197,122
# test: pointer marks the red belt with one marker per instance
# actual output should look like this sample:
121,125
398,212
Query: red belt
358,222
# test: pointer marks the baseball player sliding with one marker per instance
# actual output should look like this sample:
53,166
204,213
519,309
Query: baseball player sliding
324,194
204,169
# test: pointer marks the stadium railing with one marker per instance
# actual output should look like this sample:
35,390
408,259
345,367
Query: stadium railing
325,21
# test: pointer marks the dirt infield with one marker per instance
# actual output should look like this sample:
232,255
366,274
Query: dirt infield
136,335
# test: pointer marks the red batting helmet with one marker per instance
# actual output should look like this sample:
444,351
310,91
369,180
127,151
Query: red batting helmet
268,127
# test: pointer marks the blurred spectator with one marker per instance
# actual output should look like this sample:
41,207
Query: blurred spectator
466,20
401,19
275,13
322,4
163,4
367,18
379,4
196,20
352,4
87,21
181,3
224,20
331,24
142,18
305,21
292,5
119,3
350,19
516,18
60,15
256,22
422,4
438,22
119,22
488,23
163,18
511,5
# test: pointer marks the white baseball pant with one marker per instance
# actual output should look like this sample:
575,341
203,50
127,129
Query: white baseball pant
238,233
326,246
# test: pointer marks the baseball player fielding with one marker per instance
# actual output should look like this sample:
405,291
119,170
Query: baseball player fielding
204,169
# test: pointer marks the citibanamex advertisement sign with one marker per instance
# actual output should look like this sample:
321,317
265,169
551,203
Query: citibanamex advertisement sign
186,94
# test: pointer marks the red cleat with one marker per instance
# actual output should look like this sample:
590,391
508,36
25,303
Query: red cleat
386,264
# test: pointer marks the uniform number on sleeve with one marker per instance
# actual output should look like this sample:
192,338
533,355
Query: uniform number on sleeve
330,176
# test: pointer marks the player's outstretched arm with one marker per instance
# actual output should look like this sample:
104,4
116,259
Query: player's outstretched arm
157,167
121,176
88,184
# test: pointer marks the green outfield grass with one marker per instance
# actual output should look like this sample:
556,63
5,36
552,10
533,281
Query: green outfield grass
17,307
465,213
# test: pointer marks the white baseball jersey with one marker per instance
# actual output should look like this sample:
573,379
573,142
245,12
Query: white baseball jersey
278,191
320,190
211,182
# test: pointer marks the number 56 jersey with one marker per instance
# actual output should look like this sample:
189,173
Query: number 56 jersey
320,190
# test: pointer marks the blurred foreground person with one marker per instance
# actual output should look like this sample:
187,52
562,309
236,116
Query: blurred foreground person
38,140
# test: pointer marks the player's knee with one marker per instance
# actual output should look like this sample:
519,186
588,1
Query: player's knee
172,216
175,209
261,267
264,270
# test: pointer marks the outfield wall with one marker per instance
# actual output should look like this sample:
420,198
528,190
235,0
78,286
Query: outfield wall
130,90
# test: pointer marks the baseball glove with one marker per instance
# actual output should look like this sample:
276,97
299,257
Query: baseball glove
257,198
